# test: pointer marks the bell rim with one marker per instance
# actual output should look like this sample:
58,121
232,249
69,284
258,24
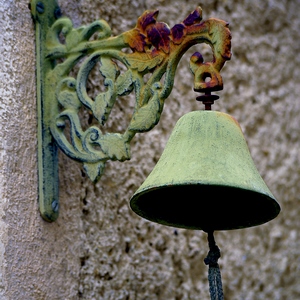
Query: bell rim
269,199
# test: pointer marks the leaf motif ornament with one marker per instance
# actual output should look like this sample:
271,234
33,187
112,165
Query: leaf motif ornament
156,49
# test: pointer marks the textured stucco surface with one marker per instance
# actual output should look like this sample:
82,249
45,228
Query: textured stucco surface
98,248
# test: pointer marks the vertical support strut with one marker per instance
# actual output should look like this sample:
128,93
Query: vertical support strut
44,14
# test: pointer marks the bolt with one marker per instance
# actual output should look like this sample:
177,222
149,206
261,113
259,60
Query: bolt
40,7
57,13
55,205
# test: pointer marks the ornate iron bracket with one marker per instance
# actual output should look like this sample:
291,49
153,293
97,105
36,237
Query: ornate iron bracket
155,49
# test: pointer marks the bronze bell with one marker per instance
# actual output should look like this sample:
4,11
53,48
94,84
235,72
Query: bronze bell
206,178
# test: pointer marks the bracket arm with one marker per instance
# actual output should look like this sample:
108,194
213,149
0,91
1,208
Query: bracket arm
152,48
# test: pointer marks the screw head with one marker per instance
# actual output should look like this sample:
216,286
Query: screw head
55,205
40,7
57,13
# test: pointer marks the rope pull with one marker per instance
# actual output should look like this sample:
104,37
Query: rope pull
214,274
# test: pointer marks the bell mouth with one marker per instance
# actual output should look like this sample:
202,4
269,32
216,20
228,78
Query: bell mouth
205,207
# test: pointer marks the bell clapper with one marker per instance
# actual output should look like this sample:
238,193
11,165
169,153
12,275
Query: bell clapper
214,274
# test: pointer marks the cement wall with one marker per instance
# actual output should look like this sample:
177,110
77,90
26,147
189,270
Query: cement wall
98,248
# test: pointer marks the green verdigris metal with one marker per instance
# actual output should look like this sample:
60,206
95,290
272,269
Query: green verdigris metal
47,148
155,49
205,178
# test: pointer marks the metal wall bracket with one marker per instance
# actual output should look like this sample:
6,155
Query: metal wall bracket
155,49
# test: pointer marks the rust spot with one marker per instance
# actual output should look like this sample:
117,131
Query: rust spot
235,120
158,36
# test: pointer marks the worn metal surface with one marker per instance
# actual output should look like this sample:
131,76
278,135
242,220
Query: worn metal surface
44,17
206,178
155,49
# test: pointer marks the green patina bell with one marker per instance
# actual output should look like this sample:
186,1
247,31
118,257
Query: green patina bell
206,179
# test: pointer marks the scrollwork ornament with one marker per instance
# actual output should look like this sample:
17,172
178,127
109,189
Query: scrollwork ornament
155,49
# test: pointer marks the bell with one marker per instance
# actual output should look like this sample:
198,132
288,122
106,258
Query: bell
206,179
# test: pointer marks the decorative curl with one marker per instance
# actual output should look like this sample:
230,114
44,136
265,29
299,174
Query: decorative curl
156,49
